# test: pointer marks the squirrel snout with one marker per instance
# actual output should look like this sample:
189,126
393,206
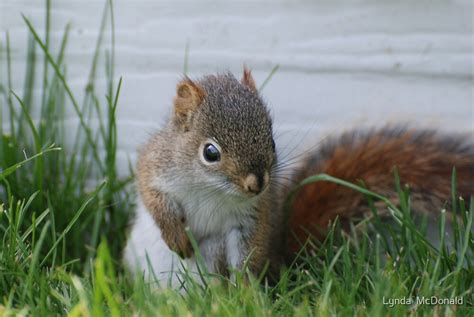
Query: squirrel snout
255,183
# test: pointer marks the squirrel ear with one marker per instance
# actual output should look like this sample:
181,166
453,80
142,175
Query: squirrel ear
247,79
189,96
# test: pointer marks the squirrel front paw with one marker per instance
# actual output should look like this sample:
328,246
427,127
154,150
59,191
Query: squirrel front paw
177,239
183,246
169,217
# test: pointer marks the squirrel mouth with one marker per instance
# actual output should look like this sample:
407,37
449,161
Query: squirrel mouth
238,194
250,195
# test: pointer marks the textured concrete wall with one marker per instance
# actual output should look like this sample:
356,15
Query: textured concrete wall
342,63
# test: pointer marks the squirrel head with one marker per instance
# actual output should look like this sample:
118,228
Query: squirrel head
226,126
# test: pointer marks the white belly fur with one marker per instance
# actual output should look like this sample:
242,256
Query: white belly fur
213,219
147,253
211,216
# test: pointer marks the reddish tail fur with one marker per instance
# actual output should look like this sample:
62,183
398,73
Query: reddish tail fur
424,160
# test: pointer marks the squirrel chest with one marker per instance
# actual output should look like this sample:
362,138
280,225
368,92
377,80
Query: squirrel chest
210,212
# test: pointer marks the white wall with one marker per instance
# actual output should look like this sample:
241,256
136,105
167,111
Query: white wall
342,63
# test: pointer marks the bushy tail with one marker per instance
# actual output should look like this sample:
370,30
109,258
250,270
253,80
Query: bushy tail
424,159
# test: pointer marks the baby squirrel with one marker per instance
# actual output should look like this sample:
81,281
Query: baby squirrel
212,169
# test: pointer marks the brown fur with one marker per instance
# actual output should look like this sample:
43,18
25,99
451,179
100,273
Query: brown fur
424,161
189,96
166,212
248,80
266,242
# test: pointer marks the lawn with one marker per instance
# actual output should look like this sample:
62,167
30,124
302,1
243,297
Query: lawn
64,214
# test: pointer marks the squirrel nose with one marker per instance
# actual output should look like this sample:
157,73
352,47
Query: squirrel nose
255,183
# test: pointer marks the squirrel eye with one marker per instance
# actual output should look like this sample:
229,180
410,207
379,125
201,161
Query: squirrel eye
211,153
273,145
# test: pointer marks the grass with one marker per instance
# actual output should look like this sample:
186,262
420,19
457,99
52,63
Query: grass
64,214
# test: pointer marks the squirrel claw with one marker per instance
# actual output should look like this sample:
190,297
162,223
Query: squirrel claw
185,249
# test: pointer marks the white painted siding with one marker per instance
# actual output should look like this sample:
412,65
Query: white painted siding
342,63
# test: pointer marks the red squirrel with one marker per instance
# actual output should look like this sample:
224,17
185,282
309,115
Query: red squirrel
211,174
